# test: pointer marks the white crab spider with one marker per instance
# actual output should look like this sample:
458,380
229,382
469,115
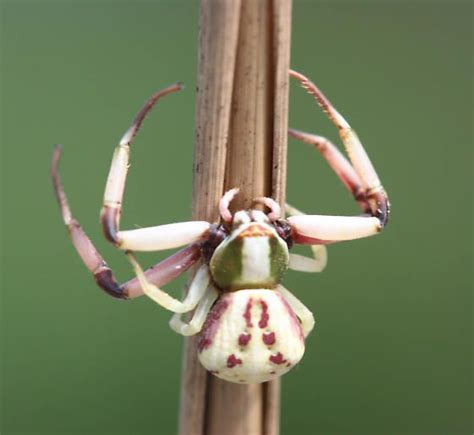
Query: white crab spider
251,328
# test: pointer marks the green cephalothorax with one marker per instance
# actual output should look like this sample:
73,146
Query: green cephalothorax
252,256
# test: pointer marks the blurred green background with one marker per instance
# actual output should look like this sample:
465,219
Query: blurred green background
391,353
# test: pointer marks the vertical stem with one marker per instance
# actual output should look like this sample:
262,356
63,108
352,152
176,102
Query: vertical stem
218,30
242,110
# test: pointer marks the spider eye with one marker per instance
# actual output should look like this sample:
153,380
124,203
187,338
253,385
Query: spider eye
259,216
241,218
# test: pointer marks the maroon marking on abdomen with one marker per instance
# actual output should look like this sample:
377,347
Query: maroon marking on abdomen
232,361
211,326
265,316
247,314
277,359
244,339
269,338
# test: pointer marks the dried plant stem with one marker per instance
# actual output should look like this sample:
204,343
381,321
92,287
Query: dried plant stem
241,130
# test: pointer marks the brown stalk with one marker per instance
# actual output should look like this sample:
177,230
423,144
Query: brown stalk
241,137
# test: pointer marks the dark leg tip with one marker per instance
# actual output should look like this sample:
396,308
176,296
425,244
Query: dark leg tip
106,281
380,206
108,220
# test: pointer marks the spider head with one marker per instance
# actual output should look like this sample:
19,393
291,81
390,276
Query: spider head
244,217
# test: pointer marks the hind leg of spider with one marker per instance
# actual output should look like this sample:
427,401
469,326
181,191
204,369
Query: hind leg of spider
196,290
160,274
306,317
375,196
199,316
302,263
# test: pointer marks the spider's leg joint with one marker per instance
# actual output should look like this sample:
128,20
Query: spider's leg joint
106,281
109,218
378,200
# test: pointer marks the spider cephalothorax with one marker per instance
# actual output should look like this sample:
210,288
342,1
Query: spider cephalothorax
253,255
252,329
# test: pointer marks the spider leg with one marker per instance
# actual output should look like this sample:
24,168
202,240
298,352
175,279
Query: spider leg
317,229
162,236
375,194
360,178
114,189
196,291
199,316
306,264
306,317
143,239
338,163
166,270
160,274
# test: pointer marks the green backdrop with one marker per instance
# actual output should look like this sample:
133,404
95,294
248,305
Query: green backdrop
391,353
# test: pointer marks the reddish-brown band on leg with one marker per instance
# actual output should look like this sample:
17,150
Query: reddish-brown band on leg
167,270
379,205
145,110
114,190
375,194
321,99
338,163
159,274
109,217
86,250
306,240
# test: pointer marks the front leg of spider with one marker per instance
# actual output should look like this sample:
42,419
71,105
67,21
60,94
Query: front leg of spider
358,175
143,239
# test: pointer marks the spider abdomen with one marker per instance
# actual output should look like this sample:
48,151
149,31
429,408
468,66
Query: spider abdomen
251,336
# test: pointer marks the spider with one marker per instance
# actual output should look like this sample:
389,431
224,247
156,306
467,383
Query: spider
252,329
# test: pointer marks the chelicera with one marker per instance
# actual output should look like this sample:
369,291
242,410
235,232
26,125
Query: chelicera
252,329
